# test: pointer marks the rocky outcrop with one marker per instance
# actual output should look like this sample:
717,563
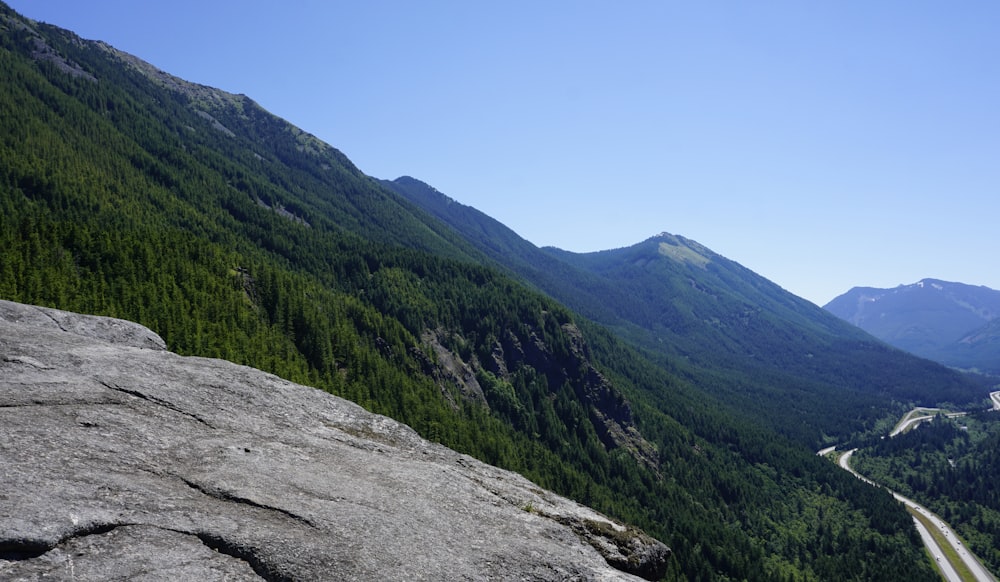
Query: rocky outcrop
40,48
120,460
610,412
449,370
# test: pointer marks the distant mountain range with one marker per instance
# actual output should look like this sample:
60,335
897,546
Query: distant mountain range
952,323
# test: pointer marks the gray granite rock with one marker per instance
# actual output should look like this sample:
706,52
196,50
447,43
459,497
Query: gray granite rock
120,460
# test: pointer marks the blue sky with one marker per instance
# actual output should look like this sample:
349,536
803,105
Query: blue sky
824,145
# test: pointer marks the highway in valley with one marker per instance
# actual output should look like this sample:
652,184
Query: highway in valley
923,518
969,560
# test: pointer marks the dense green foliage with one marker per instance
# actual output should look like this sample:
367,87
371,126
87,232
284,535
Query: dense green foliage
952,466
734,333
235,235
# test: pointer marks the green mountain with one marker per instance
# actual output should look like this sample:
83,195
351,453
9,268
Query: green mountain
125,191
952,323
507,250
733,332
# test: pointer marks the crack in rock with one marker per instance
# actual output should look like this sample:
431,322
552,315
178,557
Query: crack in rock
246,554
158,401
27,361
18,549
37,561
221,495
77,404
46,313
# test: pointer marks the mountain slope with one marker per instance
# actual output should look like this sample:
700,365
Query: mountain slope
730,330
507,249
127,192
952,323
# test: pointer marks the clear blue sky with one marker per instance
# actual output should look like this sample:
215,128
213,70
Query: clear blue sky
824,145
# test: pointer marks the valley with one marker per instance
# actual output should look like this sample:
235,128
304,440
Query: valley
946,548
953,557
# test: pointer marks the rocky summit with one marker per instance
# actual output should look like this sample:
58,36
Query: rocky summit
121,460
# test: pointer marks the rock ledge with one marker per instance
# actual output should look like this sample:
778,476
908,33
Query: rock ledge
120,460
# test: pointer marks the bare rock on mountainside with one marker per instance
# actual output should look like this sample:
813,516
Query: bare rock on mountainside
120,460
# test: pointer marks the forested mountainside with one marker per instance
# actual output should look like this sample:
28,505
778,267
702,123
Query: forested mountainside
952,323
731,331
127,192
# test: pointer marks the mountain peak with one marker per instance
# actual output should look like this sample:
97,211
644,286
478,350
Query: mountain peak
932,284
928,318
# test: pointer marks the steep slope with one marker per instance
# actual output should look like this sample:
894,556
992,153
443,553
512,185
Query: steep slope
507,249
127,192
173,131
952,323
731,331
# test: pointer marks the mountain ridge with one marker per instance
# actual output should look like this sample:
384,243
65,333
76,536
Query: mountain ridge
953,323
712,319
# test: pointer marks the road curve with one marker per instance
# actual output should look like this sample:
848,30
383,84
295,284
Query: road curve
909,420
970,561
995,396
916,415
913,420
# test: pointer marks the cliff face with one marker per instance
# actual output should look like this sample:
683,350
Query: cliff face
121,459
608,409
610,412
